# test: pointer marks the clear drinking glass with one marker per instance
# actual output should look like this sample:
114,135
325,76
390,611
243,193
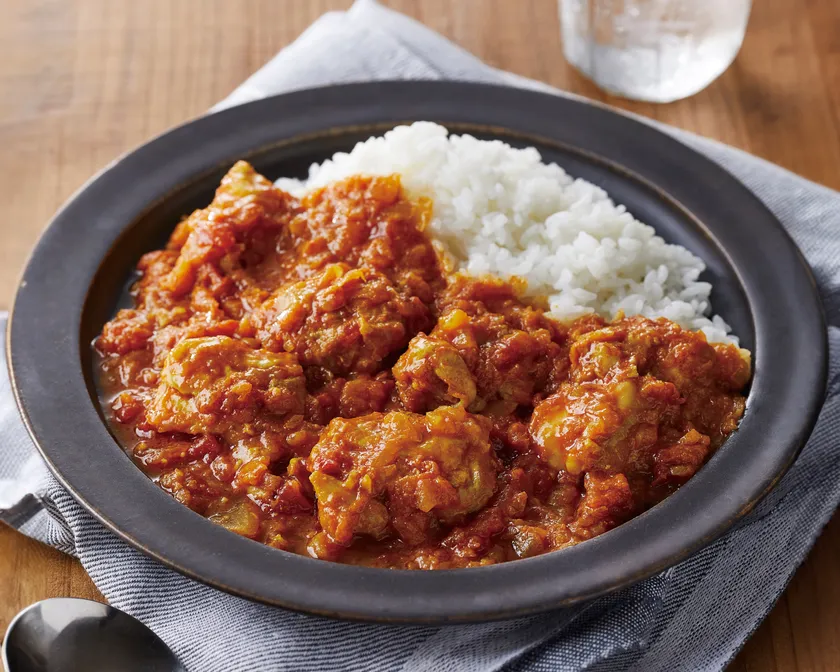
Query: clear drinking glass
654,50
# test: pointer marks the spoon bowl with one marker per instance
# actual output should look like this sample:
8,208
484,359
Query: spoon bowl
66,634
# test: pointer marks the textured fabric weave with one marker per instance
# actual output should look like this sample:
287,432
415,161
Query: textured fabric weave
694,616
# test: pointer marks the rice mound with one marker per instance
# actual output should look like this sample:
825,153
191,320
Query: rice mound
502,211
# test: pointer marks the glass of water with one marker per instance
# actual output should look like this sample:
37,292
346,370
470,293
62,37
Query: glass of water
654,50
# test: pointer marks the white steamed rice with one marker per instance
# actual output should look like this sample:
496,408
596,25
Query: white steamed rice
503,211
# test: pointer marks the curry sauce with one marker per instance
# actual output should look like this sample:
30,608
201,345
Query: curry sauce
309,374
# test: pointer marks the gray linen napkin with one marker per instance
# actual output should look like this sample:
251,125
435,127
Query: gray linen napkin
694,616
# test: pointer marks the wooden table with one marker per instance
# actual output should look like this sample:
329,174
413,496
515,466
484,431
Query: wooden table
82,81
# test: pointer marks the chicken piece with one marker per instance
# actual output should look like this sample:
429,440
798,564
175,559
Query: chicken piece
509,347
244,200
675,463
215,384
159,453
527,477
185,279
130,330
606,503
168,336
602,425
431,373
400,472
599,350
346,321
709,377
367,221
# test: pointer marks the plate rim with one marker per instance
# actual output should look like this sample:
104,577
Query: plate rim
357,593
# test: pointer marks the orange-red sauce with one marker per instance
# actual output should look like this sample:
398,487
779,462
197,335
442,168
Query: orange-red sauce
306,374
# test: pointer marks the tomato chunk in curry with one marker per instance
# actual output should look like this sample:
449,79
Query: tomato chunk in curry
306,373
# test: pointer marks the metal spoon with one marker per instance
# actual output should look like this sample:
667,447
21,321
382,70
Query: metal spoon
66,634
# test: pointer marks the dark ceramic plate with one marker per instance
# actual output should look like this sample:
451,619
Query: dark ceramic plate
77,272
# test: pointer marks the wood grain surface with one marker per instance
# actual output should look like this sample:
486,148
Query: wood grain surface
82,81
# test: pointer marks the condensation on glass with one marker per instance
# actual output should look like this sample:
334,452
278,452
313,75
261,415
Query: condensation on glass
653,50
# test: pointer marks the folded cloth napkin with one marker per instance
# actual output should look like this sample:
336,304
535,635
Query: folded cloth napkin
694,616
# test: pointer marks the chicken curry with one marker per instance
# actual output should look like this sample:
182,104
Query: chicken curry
307,373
